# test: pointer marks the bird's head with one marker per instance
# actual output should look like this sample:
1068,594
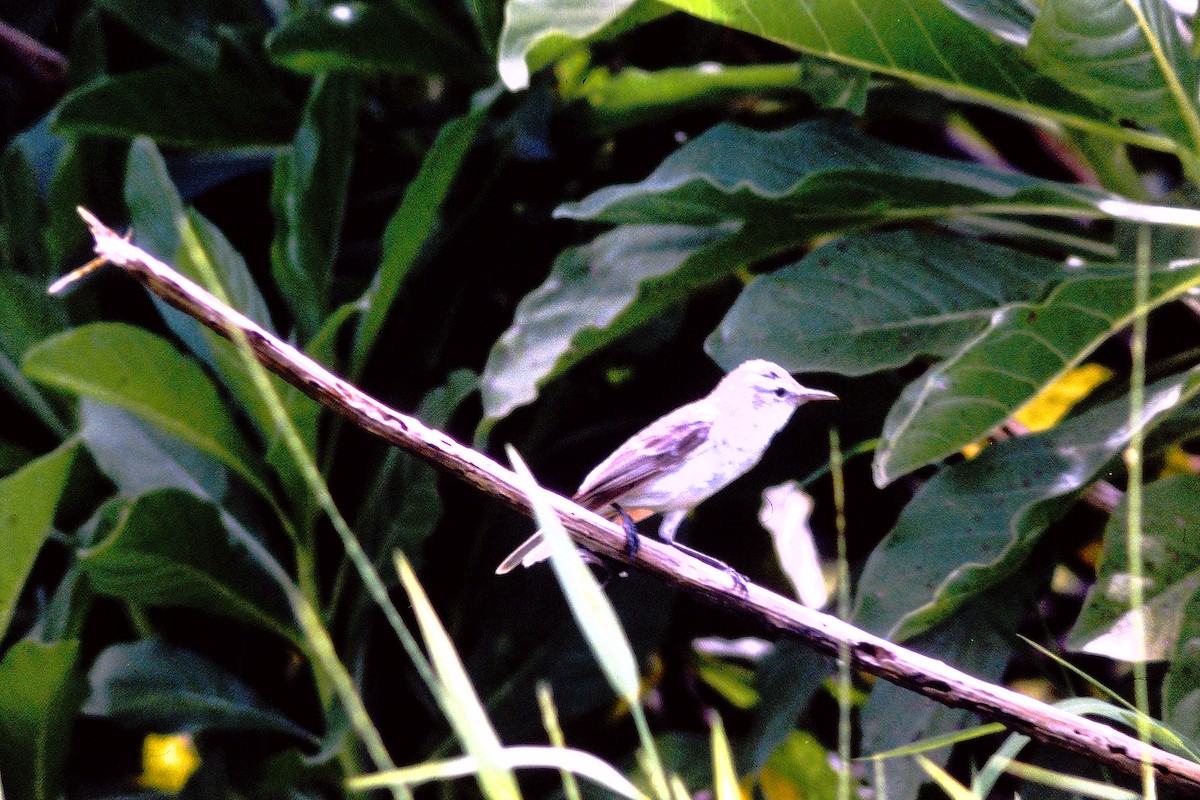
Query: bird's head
763,384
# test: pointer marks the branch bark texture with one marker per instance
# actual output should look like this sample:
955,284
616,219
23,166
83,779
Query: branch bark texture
870,653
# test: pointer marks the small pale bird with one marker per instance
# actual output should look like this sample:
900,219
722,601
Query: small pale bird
681,459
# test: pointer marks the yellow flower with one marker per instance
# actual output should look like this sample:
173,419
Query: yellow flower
168,761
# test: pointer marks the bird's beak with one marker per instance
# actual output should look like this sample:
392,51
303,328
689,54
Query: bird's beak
815,394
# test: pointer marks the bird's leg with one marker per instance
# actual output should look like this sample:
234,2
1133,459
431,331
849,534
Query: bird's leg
666,532
631,534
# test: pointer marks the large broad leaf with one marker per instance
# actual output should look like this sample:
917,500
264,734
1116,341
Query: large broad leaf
28,499
975,523
978,640
175,104
309,198
139,458
1171,580
169,548
1026,347
374,37
133,369
869,302
151,684
826,175
920,41
186,29
40,691
1127,56
411,226
593,295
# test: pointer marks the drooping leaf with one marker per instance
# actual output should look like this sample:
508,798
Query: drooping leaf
411,225
975,523
28,499
131,368
826,175
875,301
1128,57
170,548
373,37
595,294
786,679
152,684
1026,347
174,104
309,198
40,691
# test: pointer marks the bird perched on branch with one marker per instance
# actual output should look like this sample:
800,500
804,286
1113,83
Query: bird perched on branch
681,459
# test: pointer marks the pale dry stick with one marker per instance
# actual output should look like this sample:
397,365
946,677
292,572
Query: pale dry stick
913,671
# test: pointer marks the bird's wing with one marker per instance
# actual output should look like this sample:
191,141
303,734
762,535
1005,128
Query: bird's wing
659,448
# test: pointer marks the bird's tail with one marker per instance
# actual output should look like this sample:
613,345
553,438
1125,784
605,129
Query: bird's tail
531,551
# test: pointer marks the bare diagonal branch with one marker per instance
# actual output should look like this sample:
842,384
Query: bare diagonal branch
894,663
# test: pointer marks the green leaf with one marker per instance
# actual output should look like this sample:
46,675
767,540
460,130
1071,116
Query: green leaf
1010,20
592,611
826,175
152,684
1026,347
28,499
183,28
22,217
529,756
309,198
458,699
875,301
174,104
595,294
978,641
920,41
786,679
536,32
139,458
402,508
1171,563
27,315
157,213
1171,559
373,37
170,548
411,225
40,691
634,96
799,767
1127,57
133,369
975,523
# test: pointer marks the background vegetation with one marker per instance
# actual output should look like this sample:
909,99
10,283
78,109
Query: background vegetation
545,223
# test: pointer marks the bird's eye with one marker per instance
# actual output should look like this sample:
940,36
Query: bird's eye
780,392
